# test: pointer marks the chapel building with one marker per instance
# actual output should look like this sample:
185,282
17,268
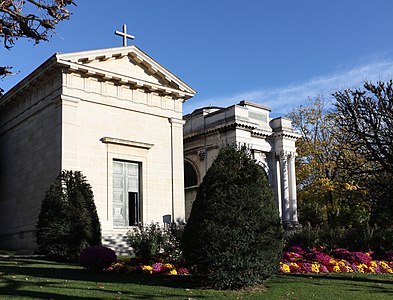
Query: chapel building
113,114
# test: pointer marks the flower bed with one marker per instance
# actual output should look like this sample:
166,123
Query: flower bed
137,265
298,260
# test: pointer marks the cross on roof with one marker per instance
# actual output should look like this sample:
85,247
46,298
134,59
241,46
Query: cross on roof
124,35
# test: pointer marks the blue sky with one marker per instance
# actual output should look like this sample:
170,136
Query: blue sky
277,53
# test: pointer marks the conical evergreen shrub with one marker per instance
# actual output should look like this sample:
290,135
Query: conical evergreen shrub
68,221
233,237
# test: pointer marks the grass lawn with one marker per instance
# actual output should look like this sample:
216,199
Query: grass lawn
40,279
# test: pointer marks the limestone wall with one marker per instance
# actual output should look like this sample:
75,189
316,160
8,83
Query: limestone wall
29,160
140,127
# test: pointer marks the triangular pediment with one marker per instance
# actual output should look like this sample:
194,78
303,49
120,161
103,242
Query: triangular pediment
126,65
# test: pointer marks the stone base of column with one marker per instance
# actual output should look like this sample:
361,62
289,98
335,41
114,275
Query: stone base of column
288,226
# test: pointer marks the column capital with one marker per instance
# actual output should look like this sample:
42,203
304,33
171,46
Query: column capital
284,154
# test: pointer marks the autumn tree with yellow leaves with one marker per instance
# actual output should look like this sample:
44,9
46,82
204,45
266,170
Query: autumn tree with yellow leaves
327,192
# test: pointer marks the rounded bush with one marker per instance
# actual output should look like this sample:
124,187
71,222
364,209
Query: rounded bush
233,237
97,258
68,220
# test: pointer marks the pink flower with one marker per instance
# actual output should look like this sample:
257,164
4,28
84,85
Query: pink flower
157,268
182,271
291,257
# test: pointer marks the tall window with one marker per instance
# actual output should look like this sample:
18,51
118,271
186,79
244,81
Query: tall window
190,176
126,194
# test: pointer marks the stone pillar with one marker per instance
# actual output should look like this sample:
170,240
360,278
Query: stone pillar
292,189
285,188
277,184
177,171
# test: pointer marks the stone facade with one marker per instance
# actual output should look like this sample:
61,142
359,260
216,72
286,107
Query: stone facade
270,141
114,114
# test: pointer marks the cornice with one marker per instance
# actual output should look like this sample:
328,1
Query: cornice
78,60
128,143
256,132
119,79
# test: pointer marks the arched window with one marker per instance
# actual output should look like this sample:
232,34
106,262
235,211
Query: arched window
190,175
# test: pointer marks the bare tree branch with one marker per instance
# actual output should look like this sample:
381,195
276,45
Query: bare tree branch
368,116
36,25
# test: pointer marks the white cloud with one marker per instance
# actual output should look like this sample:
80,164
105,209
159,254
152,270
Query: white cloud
282,99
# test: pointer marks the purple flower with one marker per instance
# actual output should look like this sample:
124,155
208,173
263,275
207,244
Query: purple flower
306,267
157,268
182,271
291,257
323,269
340,253
299,249
318,257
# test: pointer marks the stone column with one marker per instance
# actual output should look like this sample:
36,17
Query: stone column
285,188
277,185
292,189
177,171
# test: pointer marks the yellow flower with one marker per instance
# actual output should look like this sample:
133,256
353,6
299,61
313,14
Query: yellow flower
147,269
315,268
336,269
341,263
349,269
173,272
118,266
285,268
293,264
360,268
373,264
169,266
371,269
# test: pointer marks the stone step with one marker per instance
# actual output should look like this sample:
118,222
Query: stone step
118,243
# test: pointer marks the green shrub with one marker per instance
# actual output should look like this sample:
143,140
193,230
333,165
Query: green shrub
331,238
233,237
68,220
358,239
151,241
353,239
307,236
382,240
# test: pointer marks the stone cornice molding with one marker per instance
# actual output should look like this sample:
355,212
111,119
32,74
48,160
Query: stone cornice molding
285,134
30,80
119,79
77,62
176,121
256,132
128,143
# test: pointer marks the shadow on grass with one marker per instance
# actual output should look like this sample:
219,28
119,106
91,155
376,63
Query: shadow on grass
76,273
47,277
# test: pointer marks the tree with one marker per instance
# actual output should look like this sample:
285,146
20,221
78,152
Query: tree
31,19
68,221
366,117
233,237
326,191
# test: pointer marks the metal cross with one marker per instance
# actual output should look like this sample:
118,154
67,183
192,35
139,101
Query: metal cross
125,35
